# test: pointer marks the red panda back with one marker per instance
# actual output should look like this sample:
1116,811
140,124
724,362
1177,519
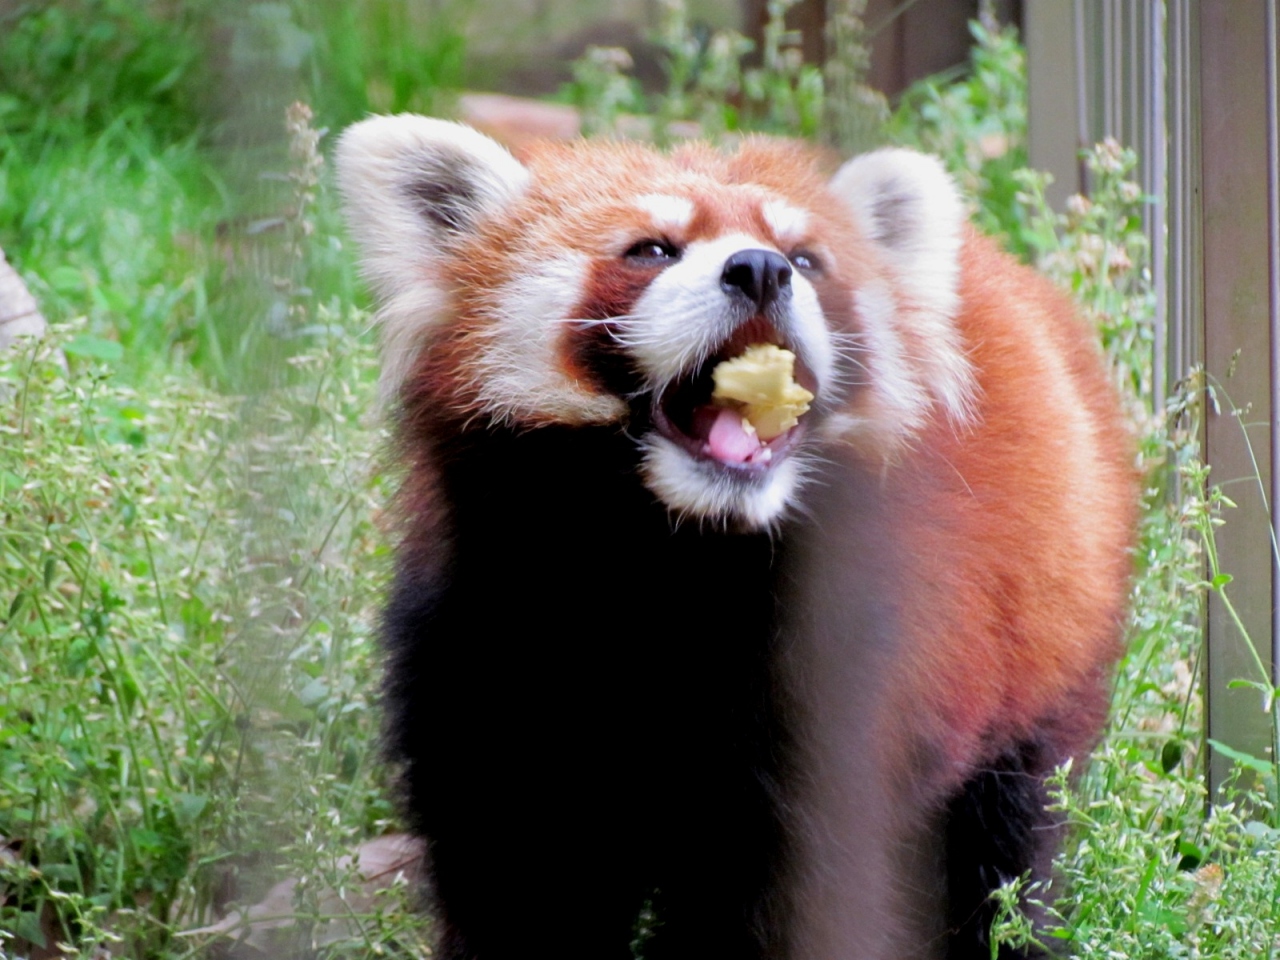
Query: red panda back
973,593
1041,526
1017,528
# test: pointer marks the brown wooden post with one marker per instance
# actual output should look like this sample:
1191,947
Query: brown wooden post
1058,128
1193,86
909,40
1238,94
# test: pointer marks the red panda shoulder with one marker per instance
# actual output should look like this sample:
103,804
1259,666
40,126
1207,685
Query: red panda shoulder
1021,523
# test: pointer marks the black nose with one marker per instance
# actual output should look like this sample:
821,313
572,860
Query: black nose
764,276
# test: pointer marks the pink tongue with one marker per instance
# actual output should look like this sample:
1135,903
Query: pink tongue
728,442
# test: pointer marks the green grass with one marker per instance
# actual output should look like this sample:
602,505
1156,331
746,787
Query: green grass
190,557
111,227
104,194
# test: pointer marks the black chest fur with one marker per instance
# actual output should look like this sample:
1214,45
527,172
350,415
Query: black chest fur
587,691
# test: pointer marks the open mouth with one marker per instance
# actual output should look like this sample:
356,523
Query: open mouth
743,407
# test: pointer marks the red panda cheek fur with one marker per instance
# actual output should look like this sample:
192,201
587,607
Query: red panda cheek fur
821,735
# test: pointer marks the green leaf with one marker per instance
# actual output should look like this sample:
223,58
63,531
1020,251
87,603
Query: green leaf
1190,856
1261,831
1247,760
146,840
1241,684
66,279
187,807
314,692
27,926
293,710
1220,581
94,348
61,872
1188,849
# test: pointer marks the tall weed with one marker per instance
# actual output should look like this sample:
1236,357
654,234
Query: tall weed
117,712
187,583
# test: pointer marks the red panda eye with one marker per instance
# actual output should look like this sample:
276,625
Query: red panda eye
804,260
652,250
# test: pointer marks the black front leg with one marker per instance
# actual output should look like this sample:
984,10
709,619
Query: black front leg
722,834
997,830
526,889
582,698
516,777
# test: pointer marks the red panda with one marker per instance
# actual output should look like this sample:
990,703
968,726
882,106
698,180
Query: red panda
663,683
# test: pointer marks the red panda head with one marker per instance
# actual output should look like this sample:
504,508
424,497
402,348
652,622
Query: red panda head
599,284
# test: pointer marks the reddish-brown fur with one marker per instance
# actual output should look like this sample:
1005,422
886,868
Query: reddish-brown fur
957,603
582,199
1049,463
951,598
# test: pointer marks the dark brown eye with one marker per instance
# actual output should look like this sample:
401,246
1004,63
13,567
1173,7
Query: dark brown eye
805,260
652,251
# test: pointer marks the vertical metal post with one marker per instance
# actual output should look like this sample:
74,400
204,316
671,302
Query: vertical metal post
1272,41
1155,148
1185,300
1084,128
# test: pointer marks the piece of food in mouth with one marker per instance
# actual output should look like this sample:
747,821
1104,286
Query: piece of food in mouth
760,384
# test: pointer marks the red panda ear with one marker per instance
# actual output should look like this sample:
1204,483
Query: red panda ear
908,205
412,186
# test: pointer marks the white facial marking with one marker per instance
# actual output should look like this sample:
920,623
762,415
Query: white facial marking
894,381
684,314
809,331
518,374
700,490
683,317
788,223
670,214
402,245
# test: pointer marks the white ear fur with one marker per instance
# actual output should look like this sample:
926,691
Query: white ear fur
909,206
412,186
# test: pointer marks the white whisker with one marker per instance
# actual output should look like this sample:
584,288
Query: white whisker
621,319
